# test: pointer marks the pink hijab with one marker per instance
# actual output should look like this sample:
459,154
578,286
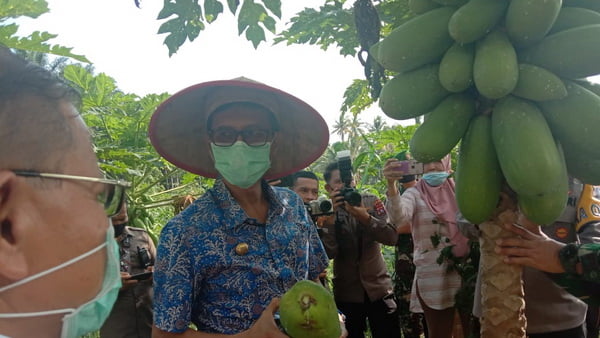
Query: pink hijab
441,201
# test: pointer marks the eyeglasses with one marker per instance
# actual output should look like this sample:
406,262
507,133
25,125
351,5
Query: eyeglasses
112,196
226,136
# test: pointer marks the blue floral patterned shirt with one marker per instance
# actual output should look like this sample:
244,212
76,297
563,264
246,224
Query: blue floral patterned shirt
199,276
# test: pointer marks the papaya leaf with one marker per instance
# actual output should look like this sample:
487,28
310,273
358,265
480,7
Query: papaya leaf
331,25
274,6
78,76
193,29
188,178
168,10
248,15
172,25
212,9
35,42
269,24
7,31
358,160
255,34
356,97
233,5
183,7
104,87
17,8
174,41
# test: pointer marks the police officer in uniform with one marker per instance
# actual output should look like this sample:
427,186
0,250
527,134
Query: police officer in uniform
553,307
131,315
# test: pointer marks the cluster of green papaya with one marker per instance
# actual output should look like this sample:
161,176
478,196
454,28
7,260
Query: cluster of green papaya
507,77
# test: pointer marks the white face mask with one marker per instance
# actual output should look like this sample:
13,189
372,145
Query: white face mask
91,315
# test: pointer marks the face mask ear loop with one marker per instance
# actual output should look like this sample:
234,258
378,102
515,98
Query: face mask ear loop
35,314
51,270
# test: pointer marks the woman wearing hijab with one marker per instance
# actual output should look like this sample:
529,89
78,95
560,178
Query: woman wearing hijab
431,209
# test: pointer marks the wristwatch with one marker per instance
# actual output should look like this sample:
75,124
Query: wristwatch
569,257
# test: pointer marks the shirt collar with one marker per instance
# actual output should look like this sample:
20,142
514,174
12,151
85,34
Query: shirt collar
233,212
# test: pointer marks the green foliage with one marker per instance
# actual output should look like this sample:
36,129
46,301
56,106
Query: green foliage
369,151
356,97
17,8
36,41
466,267
119,123
187,18
330,25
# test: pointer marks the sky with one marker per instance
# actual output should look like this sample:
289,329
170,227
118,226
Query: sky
121,41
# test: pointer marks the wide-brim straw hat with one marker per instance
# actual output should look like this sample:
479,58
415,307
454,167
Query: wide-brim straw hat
178,126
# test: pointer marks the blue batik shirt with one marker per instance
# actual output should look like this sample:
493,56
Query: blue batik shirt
199,277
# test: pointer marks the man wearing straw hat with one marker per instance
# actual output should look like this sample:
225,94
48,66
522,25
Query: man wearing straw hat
224,261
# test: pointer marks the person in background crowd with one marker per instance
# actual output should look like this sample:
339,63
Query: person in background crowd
411,323
362,285
431,209
306,185
131,316
578,263
552,310
59,264
223,262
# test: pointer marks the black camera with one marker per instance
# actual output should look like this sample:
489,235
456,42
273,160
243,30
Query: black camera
145,257
351,195
319,207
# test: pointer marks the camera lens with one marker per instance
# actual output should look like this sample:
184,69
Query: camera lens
352,197
325,205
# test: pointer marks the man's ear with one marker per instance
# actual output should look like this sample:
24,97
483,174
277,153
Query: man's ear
13,262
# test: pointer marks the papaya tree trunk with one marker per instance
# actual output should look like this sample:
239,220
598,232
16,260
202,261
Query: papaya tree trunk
503,304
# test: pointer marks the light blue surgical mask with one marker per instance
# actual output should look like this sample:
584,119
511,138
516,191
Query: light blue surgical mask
435,178
241,164
91,315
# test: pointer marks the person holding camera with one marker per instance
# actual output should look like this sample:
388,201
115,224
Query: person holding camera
412,324
362,286
306,184
131,316
431,209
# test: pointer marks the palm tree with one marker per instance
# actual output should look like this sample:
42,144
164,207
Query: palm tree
341,127
378,125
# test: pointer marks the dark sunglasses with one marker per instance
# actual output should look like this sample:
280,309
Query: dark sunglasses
226,136
112,196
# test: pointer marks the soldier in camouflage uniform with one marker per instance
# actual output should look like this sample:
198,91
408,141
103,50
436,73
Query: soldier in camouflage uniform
131,316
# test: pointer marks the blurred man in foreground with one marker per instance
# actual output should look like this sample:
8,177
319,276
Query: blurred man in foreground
59,265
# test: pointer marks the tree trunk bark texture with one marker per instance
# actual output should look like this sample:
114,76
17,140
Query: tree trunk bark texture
503,303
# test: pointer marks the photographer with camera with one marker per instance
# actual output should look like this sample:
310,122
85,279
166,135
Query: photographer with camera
306,185
131,316
353,236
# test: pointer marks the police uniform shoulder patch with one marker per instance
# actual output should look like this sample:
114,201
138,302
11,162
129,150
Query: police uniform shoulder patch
379,208
561,232
595,209
588,207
